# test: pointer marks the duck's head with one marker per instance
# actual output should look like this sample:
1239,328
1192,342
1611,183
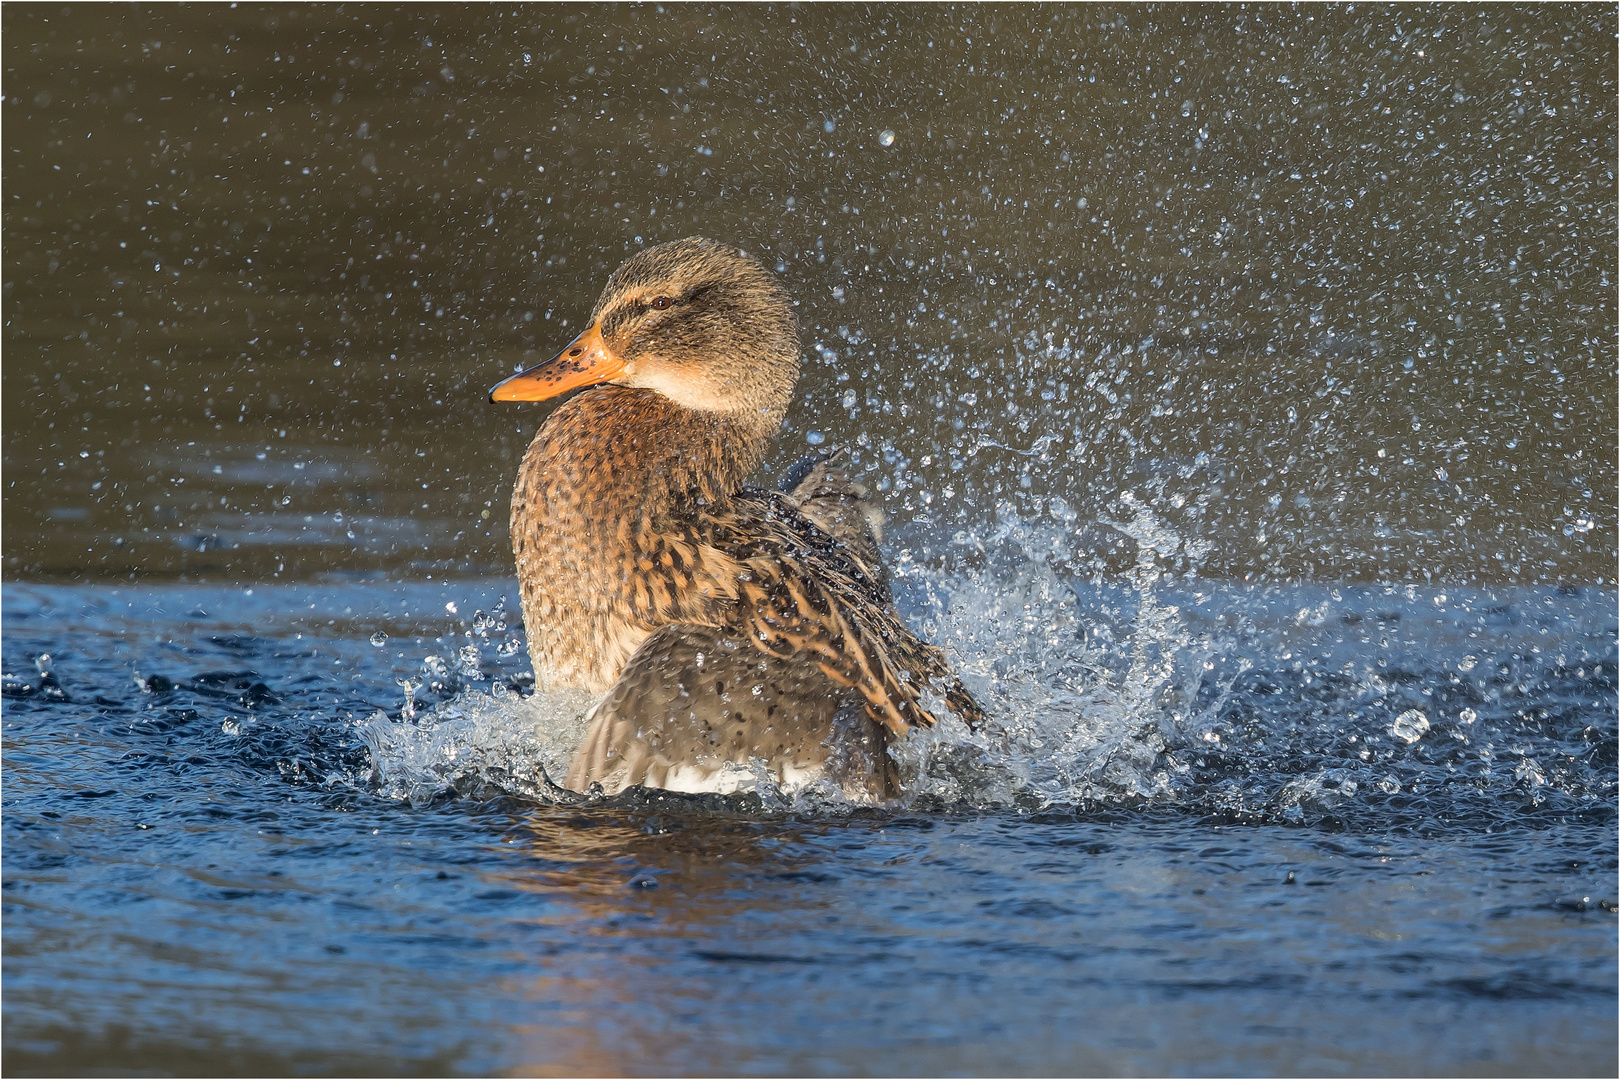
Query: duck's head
698,322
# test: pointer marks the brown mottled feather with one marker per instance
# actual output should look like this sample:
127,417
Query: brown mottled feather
821,489
801,593
695,698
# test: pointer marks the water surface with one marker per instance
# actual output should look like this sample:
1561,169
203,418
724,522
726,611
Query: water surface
1371,834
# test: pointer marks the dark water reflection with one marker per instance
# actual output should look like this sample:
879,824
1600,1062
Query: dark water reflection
1333,289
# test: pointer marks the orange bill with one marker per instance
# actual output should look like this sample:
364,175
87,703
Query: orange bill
586,361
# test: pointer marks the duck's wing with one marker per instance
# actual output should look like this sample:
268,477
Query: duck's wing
821,488
694,699
756,566
798,593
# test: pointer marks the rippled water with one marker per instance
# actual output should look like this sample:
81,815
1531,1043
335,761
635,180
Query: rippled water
1239,386
1204,835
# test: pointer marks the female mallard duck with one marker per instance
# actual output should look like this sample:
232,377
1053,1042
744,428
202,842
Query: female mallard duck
727,626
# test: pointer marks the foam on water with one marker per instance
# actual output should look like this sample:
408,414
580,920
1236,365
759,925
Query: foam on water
477,741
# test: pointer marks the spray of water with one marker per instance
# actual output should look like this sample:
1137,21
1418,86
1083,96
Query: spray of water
1096,691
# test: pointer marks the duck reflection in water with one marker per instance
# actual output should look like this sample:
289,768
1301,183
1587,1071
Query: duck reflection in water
719,890
727,626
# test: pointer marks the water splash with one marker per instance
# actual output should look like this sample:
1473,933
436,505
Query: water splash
1088,694
1096,687
477,744
1135,682
410,686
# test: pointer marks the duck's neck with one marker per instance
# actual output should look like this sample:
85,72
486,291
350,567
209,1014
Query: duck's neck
635,454
608,470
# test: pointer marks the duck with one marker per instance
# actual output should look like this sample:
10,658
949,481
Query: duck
729,629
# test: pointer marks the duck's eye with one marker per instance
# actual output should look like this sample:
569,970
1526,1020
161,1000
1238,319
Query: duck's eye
662,302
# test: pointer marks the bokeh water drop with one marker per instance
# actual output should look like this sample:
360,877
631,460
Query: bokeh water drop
1410,726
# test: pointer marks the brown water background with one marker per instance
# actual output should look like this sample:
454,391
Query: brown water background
1330,289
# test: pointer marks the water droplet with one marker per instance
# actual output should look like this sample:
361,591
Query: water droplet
814,438
1186,108
410,686
1468,716
379,639
885,137
1529,772
1410,726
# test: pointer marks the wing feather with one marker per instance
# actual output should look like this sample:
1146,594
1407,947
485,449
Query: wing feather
786,586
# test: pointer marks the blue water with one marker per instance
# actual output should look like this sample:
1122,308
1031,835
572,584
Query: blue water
1170,856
